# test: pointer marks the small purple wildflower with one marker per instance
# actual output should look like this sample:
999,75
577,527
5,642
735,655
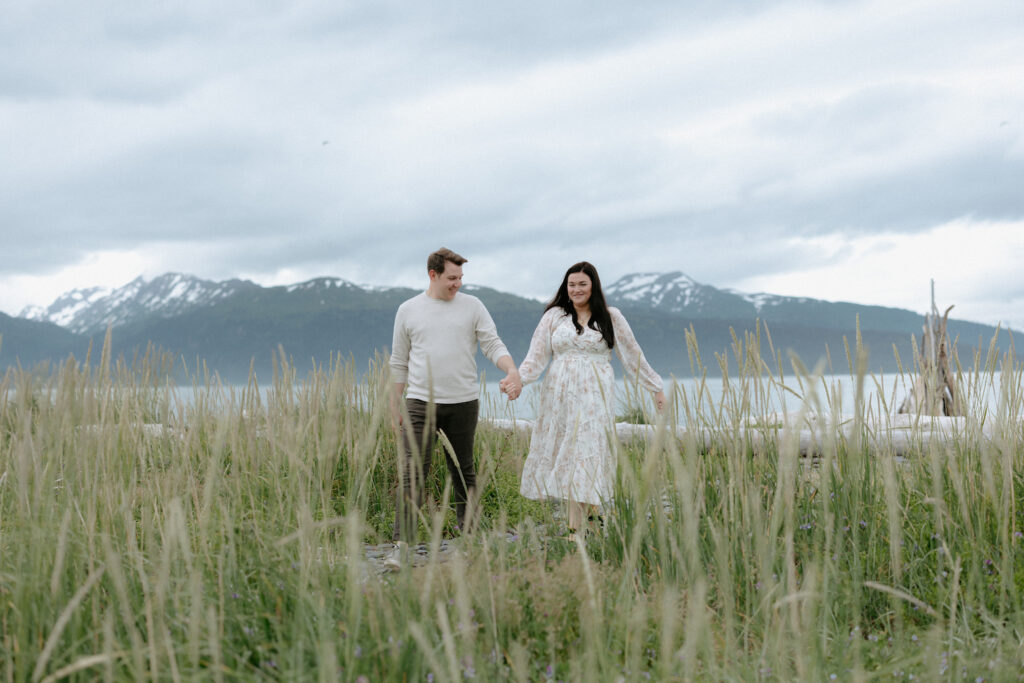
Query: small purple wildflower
863,524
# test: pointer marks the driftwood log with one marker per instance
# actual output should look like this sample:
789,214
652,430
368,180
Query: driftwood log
934,391
811,436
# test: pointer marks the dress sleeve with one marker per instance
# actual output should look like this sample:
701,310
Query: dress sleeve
539,355
632,356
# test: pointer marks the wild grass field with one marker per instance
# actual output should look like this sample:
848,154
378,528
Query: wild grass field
229,543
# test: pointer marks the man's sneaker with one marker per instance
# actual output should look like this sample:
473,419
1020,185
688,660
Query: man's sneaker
397,557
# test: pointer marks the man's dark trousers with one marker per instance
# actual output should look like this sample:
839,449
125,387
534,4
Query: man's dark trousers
458,423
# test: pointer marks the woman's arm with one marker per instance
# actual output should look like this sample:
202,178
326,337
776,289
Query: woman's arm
633,360
539,355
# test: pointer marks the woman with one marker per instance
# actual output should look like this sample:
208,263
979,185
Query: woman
571,457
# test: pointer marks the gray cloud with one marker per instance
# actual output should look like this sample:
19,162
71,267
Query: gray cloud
353,138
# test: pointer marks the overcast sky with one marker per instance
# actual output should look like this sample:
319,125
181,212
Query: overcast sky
841,150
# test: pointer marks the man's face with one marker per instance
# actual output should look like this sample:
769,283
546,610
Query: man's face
445,285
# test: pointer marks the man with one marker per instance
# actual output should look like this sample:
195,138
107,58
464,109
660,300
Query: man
433,362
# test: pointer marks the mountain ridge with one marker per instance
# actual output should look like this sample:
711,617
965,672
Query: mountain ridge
228,324
91,310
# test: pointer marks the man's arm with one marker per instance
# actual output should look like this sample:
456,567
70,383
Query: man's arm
491,345
395,401
399,363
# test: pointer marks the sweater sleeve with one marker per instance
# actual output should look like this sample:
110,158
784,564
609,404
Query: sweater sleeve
539,355
632,356
400,344
487,334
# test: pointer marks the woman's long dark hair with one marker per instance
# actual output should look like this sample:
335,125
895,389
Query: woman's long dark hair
600,318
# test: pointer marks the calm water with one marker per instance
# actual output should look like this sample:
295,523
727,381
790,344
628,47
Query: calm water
827,394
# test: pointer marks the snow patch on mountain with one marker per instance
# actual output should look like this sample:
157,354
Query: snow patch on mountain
321,283
67,306
763,300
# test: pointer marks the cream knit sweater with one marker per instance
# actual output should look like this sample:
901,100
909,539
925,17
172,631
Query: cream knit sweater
433,350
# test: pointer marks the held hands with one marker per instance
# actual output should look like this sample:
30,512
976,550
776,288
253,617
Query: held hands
512,385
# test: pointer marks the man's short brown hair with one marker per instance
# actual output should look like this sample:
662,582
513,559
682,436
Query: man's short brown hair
436,261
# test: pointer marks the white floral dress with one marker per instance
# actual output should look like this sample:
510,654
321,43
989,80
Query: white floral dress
571,456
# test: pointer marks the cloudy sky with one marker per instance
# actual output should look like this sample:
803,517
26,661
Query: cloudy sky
842,150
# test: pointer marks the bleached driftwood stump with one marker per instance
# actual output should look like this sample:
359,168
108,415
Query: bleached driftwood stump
934,391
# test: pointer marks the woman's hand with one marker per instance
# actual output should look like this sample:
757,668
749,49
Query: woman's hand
660,401
512,385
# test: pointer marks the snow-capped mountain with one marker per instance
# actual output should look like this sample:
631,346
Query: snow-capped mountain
68,305
678,293
92,310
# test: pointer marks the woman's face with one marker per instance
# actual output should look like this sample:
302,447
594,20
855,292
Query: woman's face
579,289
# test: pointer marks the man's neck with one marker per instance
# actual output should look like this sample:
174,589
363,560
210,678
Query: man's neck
437,296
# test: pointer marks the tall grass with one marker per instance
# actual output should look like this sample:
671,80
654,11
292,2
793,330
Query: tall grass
230,542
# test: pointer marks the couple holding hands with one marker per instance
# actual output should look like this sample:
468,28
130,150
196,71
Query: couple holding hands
433,364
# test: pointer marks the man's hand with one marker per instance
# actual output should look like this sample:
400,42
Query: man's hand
512,385
395,404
